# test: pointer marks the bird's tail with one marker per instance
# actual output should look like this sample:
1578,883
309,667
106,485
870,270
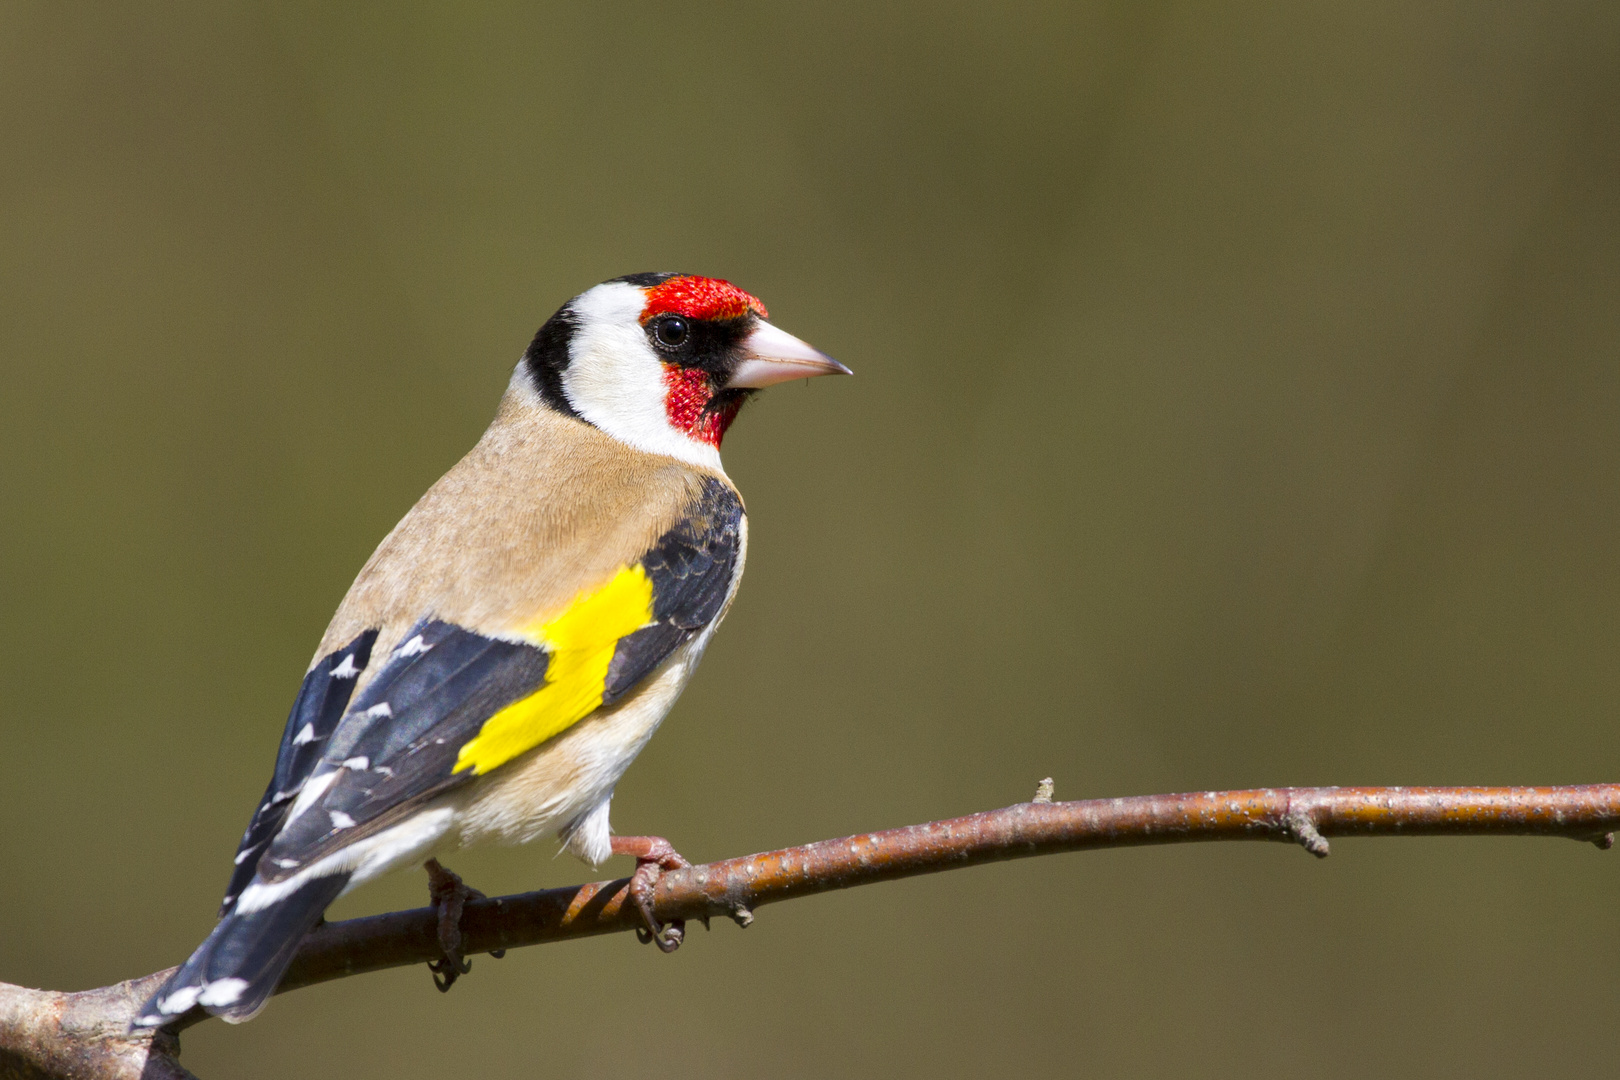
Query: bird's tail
235,971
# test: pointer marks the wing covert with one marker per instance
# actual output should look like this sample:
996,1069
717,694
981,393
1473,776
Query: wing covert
397,746
692,569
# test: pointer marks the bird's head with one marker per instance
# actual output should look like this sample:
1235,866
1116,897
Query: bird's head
664,361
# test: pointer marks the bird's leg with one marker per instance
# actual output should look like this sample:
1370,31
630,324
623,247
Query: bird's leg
449,895
653,855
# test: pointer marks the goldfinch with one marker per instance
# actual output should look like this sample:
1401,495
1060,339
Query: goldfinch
516,639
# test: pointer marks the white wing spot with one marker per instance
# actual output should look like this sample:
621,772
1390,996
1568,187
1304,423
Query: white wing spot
245,854
358,764
414,647
222,992
306,734
383,770
379,710
346,670
285,864
179,1001
340,820
310,791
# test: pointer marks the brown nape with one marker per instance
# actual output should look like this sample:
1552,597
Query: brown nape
542,500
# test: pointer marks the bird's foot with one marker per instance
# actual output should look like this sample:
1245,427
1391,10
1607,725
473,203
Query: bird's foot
653,855
450,895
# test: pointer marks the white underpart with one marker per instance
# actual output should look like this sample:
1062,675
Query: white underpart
365,859
590,836
615,379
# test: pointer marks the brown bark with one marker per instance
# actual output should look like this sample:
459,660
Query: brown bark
46,1035
84,1035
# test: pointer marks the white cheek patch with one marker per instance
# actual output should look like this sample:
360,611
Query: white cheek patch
615,380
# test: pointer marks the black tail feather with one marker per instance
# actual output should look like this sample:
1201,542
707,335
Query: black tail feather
234,972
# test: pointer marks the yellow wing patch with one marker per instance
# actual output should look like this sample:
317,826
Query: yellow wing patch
581,642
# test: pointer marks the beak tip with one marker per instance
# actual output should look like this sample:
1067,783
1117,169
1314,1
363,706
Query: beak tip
773,356
833,368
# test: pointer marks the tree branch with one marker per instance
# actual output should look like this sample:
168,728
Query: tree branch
41,1032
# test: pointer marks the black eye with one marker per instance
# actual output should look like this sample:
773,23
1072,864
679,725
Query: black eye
671,330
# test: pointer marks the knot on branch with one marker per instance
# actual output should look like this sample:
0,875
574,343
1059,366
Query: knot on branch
1302,830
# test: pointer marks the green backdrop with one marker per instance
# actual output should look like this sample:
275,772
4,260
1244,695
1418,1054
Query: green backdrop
1237,403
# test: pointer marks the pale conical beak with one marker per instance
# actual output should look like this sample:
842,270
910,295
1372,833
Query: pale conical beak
772,356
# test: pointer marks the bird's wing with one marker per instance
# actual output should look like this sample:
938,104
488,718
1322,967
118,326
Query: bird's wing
451,704
321,702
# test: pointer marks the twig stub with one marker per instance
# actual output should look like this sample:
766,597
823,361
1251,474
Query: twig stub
1304,831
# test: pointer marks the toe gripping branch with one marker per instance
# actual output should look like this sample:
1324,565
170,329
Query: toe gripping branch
449,896
653,855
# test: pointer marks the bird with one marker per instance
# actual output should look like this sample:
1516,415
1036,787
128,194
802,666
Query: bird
516,639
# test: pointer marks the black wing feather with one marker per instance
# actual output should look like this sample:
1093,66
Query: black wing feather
401,738
320,704
692,568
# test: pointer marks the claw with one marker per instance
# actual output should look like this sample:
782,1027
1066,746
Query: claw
653,855
450,896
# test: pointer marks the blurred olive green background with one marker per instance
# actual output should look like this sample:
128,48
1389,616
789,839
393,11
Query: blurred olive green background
1237,403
